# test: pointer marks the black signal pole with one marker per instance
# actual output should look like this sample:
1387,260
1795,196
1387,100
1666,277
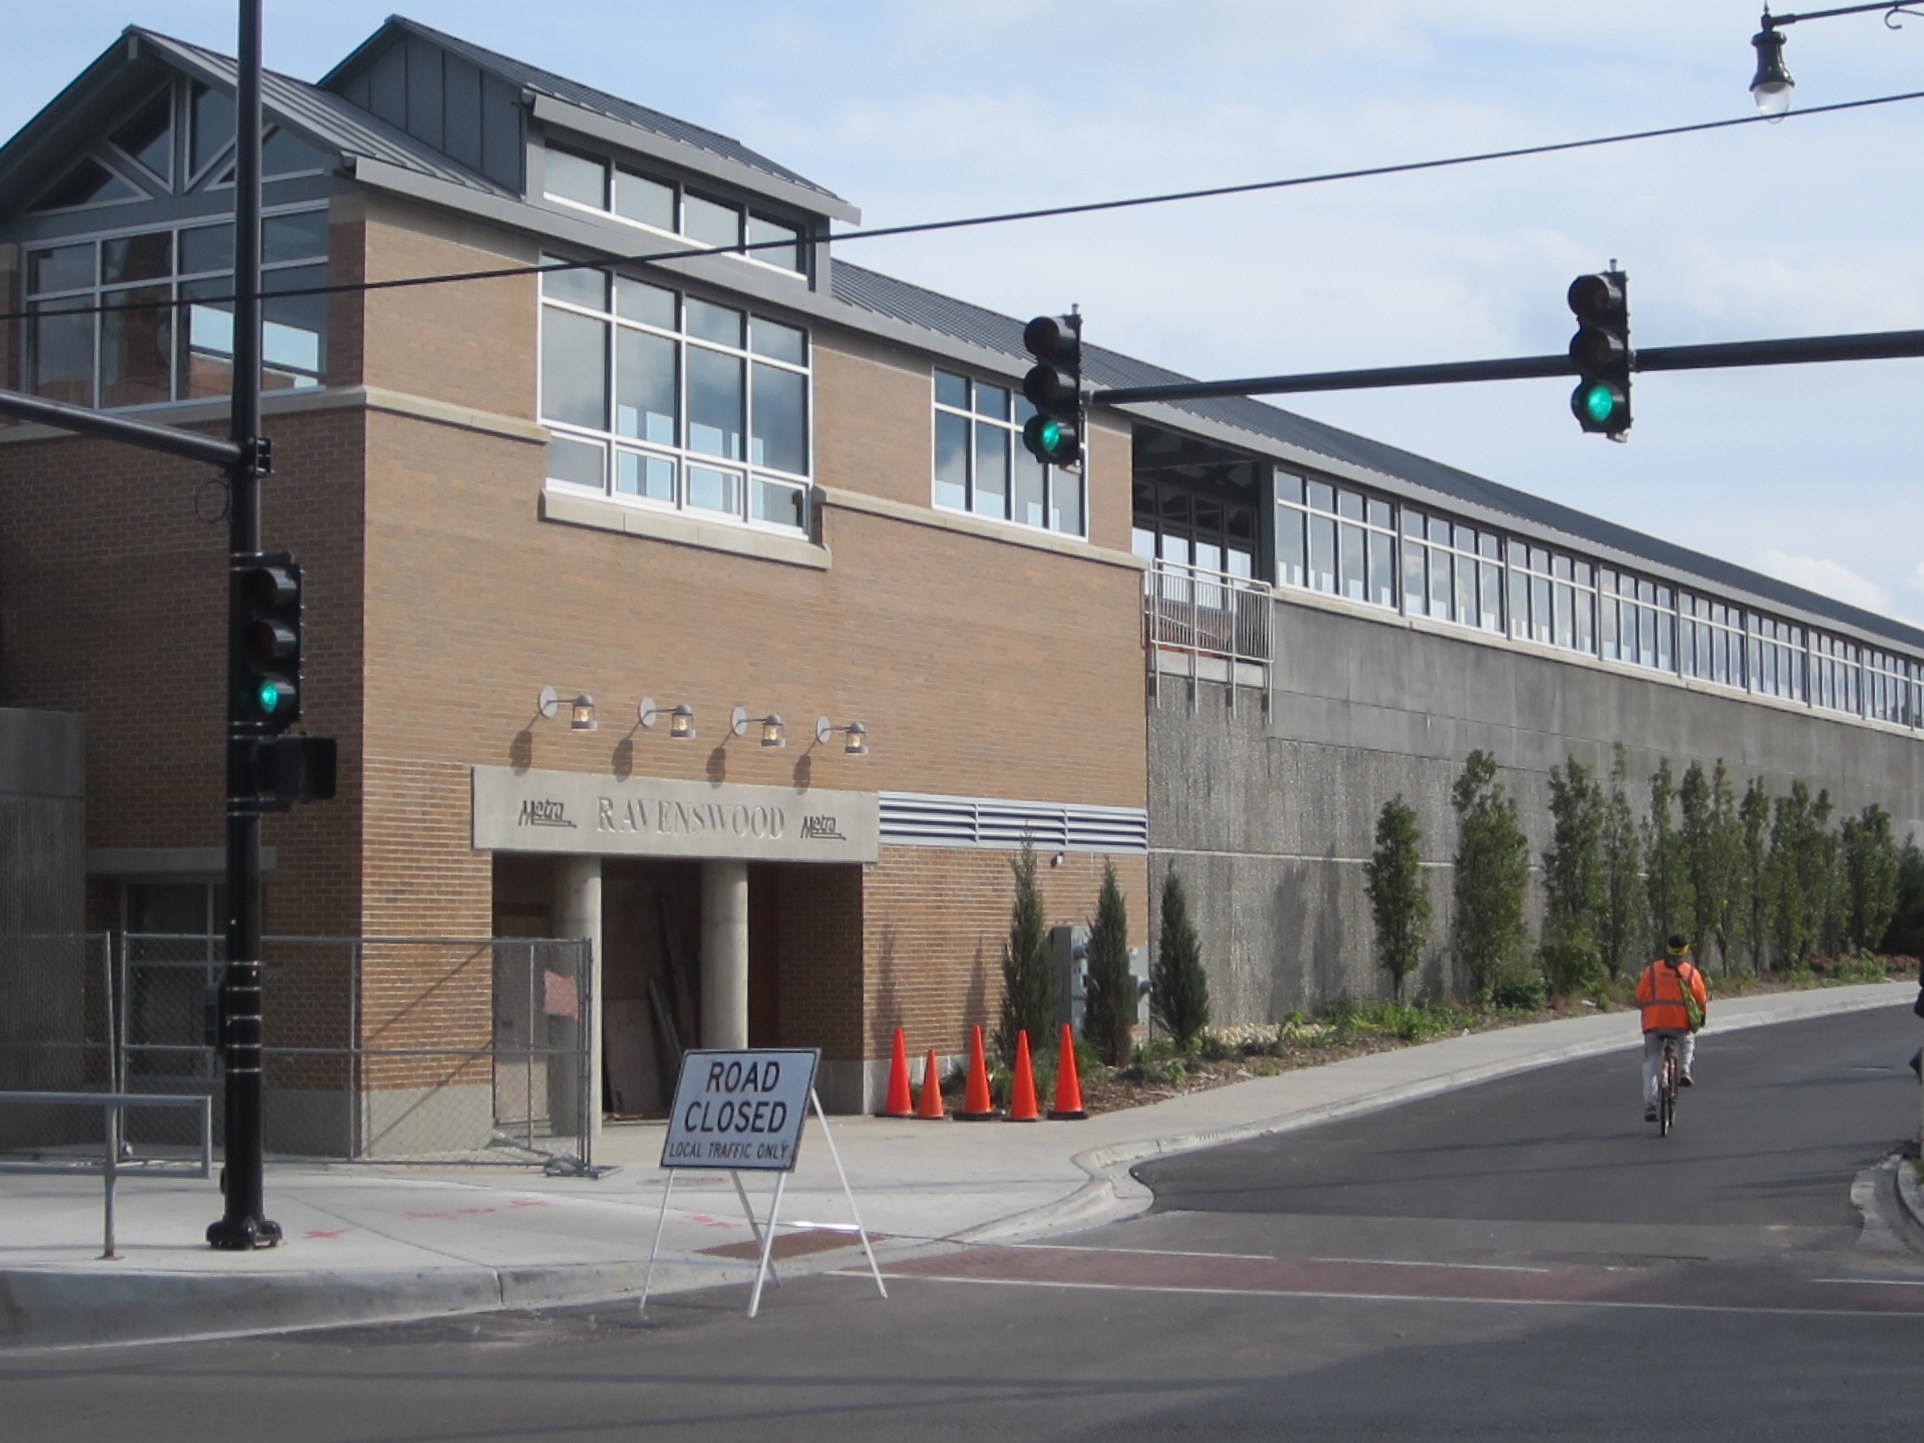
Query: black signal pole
243,1225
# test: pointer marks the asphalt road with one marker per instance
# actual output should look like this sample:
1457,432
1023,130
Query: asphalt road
1521,1260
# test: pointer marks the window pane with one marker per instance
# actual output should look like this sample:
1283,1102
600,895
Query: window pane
1586,628
715,403
1322,551
991,401
210,125
1322,496
1065,503
292,326
712,490
1565,620
1350,543
575,462
780,414
207,248
1289,547
1441,581
1382,561
1028,489
577,178
1379,513
646,387
762,230
60,359
709,222
580,286
137,258
951,460
951,390
714,323
637,474
1416,599
136,345
638,301
991,471
61,268
643,198
1349,505
1540,619
207,342
1490,595
778,504
777,341
574,369
282,154
149,136
88,183
298,237
1465,590
1288,487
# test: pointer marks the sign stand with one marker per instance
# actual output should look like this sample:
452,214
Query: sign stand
743,1109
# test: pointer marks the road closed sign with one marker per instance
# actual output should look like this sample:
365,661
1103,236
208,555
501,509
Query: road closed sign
740,1110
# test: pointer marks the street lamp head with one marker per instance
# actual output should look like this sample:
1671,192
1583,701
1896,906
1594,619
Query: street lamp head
1771,86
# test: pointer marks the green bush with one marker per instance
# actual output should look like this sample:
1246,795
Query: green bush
1515,991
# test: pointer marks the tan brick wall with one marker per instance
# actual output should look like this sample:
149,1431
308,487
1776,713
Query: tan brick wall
937,920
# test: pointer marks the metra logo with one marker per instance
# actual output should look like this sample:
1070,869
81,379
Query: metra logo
822,829
544,813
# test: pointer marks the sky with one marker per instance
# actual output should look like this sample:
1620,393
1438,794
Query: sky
920,111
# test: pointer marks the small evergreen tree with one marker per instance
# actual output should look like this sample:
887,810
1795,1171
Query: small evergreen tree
1727,871
1028,981
1109,994
1753,820
1399,897
1870,868
1178,987
1798,875
1573,882
1905,936
1492,871
1621,928
1666,862
1694,803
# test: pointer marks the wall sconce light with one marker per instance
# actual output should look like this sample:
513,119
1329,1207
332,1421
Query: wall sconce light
771,725
855,732
681,719
581,711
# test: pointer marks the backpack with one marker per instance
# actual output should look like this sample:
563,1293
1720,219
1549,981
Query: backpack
1693,1009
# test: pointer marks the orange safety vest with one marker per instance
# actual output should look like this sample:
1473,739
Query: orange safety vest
1661,992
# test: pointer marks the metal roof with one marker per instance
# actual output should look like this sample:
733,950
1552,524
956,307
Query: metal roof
544,82
325,118
946,316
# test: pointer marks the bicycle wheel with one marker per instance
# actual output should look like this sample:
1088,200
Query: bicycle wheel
1667,1093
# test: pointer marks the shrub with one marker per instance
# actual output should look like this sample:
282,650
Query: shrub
1178,987
1028,981
1109,1000
1492,870
1517,991
1399,897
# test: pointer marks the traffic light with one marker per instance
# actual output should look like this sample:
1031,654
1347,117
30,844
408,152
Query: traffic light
293,769
1054,387
1601,350
267,641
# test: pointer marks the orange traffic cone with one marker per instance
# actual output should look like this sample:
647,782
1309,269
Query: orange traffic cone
898,1104
976,1105
1022,1091
1068,1106
931,1106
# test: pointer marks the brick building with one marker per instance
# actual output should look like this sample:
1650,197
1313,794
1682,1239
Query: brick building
663,480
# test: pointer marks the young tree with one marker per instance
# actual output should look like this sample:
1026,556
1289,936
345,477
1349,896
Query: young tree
1870,870
1178,987
1727,862
1399,897
1109,995
1799,881
1492,870
1573,878
1693,802
1905,936
1666,862
1621,927
1753,820
1028,981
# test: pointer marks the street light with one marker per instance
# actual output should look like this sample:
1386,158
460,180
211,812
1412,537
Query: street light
1771,86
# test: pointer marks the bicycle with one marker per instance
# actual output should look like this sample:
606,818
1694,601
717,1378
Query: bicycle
1668,1072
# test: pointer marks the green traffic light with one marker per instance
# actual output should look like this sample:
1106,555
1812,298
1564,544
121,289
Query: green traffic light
267,696
1599,402
1049,433
1600,406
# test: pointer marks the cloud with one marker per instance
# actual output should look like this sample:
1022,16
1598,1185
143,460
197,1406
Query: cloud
1827,578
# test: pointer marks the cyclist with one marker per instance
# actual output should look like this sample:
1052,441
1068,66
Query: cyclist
1661,991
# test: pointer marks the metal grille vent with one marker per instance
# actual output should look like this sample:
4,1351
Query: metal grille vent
923,820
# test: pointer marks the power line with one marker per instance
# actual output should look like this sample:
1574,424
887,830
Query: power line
998,218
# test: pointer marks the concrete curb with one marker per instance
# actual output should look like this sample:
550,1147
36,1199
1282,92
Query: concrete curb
1910,1198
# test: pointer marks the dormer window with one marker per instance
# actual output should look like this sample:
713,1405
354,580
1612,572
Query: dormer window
644,198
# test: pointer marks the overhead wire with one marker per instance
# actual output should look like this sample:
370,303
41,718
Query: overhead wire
997,218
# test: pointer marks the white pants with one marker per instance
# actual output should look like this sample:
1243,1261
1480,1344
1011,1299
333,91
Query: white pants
1653,1059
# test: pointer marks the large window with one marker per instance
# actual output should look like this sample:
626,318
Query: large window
1776,658
662,204
1638,620
674,401
982,467
1332,539
1833,674
144,317
1710,640
1451,572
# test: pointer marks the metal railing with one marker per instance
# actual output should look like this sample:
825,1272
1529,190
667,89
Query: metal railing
1199,613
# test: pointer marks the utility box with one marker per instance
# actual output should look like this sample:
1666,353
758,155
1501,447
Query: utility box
1139,974
1069,946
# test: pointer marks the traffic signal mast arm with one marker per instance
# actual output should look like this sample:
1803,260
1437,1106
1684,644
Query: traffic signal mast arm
1727,355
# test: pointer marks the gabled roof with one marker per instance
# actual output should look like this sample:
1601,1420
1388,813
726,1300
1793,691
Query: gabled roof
946,316
133,62
533,79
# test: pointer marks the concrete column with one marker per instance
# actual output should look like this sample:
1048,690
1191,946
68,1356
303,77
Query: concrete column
724,954
577,913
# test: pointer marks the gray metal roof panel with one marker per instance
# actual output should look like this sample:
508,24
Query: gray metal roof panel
325,118
884,295
531,77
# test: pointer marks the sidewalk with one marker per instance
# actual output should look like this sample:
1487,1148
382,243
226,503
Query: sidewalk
367,1243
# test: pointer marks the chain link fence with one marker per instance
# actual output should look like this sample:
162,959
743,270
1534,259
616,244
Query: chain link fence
377,1049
